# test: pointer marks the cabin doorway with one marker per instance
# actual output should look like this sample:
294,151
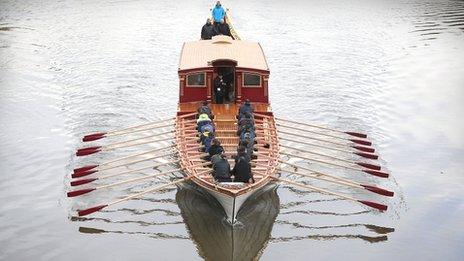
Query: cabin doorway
224,91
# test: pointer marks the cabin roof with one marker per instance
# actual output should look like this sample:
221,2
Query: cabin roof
200,54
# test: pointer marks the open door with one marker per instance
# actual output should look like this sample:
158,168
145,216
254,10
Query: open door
224,83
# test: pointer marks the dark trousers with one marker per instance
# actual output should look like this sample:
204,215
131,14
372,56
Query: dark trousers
219,98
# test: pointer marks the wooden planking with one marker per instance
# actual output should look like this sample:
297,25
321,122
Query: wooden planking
225,123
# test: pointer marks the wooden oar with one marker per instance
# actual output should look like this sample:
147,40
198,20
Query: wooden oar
99,136
91,167
141,138
148,126
100,169
351,133
368,171
88,180
360,148
96,149
91,210
362,142
80,192
133,129
315,172
346,182
371,204
362,154
371,166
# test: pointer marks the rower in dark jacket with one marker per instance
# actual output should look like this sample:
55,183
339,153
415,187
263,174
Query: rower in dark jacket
216,148
244,108
205,109
221,168
223,28
242,151
242,171
208,30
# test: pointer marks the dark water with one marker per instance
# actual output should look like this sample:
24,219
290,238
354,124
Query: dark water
394,69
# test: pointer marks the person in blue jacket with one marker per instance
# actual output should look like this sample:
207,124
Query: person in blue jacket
218,14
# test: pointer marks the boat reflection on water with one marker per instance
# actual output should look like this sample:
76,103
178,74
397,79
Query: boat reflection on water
216,239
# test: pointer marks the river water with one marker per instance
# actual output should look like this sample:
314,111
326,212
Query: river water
393,69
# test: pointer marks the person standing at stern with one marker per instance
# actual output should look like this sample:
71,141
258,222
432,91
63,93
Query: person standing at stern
218,14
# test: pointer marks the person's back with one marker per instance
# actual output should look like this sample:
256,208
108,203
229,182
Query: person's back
202,120
216,148
221,168
223,28
246,120
218,13
207,127
242,171
205,109
245,108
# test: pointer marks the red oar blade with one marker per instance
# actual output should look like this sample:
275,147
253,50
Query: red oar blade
76,193
82,182
87,151
95,136
362,142
369,166
83,173
91,210
373,205
379,191
356,134
85,168
365,149
376,173
367,155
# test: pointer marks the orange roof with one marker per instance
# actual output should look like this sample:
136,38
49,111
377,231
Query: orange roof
201,53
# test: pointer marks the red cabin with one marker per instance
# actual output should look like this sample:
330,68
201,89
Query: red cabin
242,65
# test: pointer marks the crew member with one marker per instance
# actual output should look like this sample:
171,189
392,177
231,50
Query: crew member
204,108
208,30
216,148
221,168
242,171
206,138
223,28
218,13
203,119
245,108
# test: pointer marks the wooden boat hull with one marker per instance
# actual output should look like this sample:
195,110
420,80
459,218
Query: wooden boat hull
232,204
231,195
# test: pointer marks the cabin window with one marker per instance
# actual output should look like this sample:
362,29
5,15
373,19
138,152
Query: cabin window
196,80
251,80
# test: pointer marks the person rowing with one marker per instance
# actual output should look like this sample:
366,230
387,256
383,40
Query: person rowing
205,139
243,151
215,148
246,119
207,127
203,119
245,108
242,171
221,168
205,109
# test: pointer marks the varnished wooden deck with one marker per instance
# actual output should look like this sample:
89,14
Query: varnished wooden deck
226,127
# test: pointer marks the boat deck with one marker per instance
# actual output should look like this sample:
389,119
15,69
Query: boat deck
226,127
